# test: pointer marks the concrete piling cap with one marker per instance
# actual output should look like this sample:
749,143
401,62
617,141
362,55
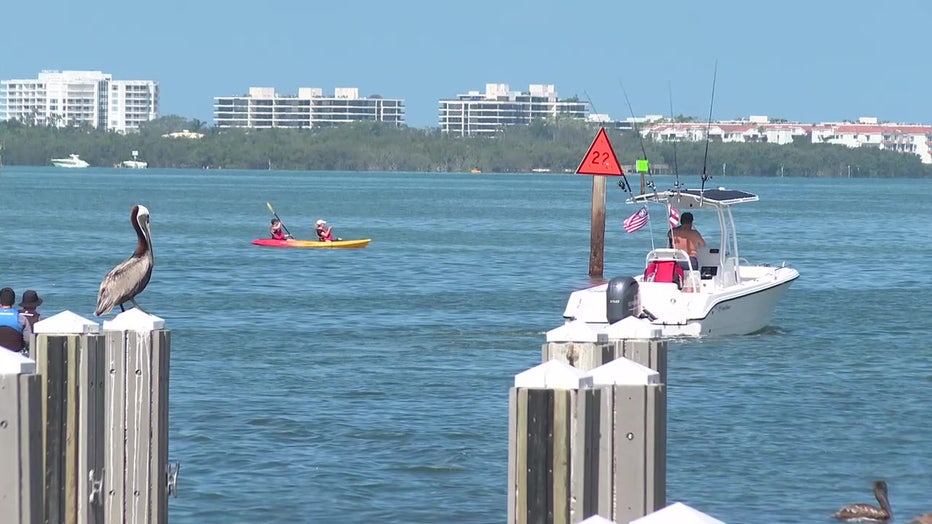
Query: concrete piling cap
677,513
574,331
552,374
597,519
134,320
632,328
620,372
15,363
65,323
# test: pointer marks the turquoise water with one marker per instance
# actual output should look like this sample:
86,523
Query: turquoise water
371,385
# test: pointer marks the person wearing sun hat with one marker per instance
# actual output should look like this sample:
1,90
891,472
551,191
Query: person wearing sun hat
28,315
27,307
324,233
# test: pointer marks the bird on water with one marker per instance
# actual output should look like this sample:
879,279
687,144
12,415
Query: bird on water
131,276
925,518
868,512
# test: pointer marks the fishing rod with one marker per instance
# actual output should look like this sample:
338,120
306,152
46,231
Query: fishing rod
708,129
676,169
623,183
634,122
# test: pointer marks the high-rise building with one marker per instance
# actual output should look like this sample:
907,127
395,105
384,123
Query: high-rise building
74,98
264,108
485,114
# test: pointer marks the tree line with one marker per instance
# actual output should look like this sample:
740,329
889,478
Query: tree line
556,145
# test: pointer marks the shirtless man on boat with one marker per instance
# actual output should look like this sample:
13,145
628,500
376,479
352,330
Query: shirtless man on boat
688,239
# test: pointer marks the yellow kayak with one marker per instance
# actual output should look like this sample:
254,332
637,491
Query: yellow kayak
336,244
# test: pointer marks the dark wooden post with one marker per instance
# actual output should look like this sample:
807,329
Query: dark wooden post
600,160
597,228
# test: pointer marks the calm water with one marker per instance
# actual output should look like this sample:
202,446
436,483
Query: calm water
371,385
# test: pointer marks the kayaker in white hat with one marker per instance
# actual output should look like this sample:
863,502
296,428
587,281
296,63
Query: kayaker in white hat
324,233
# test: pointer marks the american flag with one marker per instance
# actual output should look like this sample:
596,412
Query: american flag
637,220
674,216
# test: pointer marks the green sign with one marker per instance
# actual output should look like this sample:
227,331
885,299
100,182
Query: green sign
642,166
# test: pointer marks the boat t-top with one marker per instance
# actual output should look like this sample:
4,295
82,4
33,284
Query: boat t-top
71,161
135,163
723,295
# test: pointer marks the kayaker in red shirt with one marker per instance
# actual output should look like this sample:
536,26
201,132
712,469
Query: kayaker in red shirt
277,232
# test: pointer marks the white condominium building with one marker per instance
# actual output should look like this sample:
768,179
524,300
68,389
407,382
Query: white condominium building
485,114
264,108
74,98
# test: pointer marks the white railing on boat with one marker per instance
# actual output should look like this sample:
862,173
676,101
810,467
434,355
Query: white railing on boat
691,274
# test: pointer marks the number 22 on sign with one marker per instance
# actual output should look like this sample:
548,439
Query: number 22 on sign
600,159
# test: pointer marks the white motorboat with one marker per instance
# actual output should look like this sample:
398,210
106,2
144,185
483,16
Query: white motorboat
71,161
724,295
135,163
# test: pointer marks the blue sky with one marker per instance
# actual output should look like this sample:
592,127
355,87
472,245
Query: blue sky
807,61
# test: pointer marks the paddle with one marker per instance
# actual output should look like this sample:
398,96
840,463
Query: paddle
274,214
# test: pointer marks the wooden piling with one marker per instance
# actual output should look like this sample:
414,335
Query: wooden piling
585,443
136,469
21,493
69,358
597,228
103,419
541,422
623,460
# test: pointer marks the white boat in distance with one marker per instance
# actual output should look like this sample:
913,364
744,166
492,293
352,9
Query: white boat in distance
135,163
71,161
725,295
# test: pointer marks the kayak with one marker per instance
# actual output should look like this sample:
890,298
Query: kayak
336,244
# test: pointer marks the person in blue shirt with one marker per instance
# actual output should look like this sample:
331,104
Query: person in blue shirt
13,331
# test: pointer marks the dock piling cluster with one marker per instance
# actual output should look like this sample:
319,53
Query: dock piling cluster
86,422
587,433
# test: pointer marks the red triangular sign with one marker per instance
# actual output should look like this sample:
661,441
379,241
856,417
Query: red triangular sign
601,159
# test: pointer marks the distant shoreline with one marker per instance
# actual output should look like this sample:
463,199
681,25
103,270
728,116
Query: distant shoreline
542,147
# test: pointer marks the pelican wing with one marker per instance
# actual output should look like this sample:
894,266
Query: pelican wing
862,513
122,283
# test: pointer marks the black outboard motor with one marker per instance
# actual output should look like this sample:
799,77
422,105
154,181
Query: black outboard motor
621,299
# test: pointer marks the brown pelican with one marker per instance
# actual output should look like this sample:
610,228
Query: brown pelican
867,512
131,276
925,518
